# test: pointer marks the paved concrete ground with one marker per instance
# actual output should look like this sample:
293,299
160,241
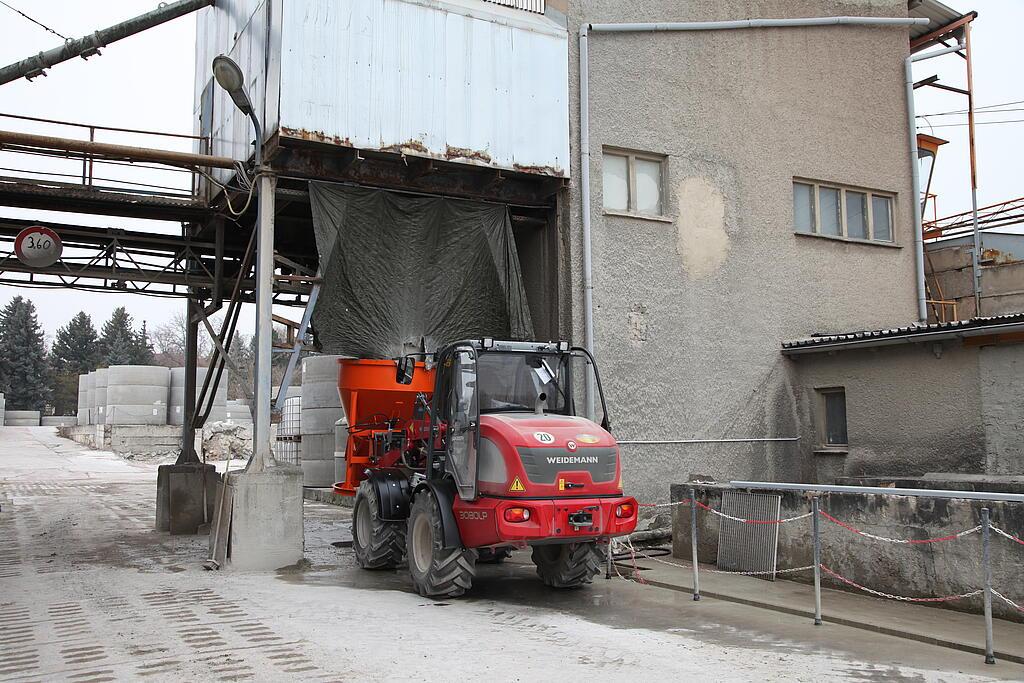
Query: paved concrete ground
89,592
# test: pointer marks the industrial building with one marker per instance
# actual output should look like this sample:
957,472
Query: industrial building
704,234
739,201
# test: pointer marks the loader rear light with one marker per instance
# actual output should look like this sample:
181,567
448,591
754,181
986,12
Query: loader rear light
625,510
517,514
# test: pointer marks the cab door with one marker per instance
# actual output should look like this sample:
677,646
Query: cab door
462,414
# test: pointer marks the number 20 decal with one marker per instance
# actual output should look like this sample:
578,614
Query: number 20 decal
544,437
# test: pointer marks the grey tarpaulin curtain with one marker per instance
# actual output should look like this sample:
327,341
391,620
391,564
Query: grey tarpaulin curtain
403,271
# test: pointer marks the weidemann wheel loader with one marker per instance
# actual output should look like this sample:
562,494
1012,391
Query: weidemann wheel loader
463,455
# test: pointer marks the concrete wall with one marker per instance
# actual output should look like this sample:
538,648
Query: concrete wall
1001,378
915,409
690,311
935,569
949,273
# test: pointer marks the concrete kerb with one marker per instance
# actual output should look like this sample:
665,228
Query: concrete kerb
327,495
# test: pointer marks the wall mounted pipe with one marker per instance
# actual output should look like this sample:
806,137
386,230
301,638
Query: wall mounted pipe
773,439
915,176
584,77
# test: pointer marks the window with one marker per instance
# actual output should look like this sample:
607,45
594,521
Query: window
634,183
846,213
833,422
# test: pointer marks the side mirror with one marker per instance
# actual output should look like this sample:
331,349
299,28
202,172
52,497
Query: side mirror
406,369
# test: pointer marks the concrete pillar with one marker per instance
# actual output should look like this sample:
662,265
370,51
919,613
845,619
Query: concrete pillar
258,520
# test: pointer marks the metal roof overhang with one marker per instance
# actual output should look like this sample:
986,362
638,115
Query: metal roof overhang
907,338
942,20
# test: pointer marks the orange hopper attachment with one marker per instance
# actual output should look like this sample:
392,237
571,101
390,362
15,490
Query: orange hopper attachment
371,396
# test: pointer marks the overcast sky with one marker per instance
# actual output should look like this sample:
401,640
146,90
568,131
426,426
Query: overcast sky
147,82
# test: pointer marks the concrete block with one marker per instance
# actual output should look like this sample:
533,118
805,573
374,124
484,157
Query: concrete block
21,418
318,446
953,284
948,258
58,421
1002,304
318,472
339,466
265,520
183,492
1006,278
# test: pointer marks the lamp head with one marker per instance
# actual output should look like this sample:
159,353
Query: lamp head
229,76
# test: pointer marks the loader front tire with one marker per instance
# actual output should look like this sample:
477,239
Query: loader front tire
378,544
437,572
567,565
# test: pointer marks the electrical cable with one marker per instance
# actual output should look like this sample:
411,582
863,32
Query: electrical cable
977,123
227,198
964,113
976,109
34,21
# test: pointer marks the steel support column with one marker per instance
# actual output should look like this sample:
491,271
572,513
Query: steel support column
263,455
188,431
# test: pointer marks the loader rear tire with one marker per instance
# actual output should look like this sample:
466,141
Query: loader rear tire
378,544
567,565
437,572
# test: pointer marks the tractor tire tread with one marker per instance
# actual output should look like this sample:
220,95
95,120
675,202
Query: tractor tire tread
575,565
452,570
387,540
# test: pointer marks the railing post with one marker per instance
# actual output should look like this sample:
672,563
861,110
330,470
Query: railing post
693,543
815,521
990,657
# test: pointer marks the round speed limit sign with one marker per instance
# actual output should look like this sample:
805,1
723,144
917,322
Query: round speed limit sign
38,246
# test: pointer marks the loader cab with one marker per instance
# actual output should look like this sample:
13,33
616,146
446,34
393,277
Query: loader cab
477,378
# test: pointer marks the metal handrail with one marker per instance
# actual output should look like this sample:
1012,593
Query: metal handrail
918,493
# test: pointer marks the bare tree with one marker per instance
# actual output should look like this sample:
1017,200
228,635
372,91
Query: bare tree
169,341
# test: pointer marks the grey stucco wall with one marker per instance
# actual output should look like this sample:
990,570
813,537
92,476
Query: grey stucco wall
690,312
916,409
918,570
909,411
1001,377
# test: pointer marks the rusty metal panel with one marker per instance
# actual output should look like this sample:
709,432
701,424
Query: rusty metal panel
458,80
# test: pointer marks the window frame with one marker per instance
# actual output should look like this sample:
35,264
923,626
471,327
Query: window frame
869,200
631,157
822,394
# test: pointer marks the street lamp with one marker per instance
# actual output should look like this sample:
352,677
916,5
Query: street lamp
229,76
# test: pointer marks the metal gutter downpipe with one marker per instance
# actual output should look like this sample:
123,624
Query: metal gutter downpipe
90,45
584,77
915,176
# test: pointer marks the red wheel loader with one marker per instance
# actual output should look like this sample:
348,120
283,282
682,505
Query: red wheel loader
460,456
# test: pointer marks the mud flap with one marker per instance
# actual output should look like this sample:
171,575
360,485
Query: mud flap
393,493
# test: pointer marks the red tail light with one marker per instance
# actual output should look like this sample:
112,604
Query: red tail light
517,514
625,510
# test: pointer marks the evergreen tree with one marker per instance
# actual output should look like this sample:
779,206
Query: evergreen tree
76,351
118,341
24,367
76,348
142,348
